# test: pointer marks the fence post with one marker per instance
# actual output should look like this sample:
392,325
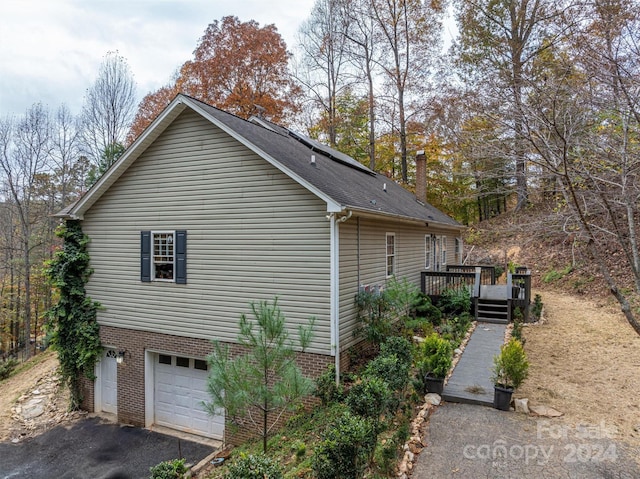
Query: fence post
476,286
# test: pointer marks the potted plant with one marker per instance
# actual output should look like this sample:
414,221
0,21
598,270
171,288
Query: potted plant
435,362
510,369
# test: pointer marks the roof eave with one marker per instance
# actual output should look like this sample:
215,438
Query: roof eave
366,213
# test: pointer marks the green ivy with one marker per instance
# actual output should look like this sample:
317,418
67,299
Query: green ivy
73,318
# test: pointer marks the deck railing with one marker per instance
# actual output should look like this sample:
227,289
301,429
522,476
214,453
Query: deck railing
457,277
521,291
487,273
434,283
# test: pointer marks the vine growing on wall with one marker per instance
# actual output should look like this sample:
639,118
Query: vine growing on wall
72,319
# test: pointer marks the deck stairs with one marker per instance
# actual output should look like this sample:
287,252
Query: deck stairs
492,305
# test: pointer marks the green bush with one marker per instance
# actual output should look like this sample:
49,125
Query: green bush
401,296
400,347
374,318
174,469
455,301
253,467
418,327
435,356
510,367
390,369
369,398
6,368
346,449
536,308
326,388
425,308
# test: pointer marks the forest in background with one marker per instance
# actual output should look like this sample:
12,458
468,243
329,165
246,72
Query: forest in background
531,103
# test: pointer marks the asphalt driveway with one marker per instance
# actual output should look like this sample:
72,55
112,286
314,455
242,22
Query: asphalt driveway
94,449
478,442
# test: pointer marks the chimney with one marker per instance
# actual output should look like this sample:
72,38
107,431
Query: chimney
421,176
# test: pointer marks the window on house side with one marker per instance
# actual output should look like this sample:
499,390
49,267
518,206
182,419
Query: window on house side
459,250
391,254
428,251
163,256
444,250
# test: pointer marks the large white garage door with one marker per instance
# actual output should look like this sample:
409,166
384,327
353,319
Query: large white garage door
180,389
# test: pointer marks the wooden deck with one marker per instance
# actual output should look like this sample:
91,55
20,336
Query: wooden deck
471,382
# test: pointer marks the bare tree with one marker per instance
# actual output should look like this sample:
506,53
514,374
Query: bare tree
363,53
109,108
409,36
25,147
583,123
323,43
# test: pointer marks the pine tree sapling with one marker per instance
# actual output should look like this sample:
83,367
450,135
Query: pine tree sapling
264,380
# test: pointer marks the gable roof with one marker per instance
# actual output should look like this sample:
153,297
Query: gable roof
337,179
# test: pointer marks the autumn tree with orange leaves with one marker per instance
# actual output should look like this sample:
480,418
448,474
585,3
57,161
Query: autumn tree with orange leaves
237,66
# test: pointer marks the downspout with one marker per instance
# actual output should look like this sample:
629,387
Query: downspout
335,286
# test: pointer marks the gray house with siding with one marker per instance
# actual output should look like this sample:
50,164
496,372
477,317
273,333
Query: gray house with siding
206,212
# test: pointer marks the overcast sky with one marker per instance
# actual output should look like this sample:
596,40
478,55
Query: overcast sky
50,50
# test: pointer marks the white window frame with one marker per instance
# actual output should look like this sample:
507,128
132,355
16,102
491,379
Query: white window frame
428,252
443,249
458,251
153,256
390,256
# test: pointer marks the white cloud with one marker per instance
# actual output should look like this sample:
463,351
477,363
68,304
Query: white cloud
50,50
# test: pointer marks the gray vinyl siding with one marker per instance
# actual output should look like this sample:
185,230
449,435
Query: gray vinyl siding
252,233
372,261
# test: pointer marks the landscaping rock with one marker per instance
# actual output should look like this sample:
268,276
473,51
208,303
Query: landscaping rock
545,411
433,398
522,405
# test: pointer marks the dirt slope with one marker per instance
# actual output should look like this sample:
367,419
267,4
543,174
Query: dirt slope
585,362
36,381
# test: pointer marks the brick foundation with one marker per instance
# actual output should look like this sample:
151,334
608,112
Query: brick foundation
131,372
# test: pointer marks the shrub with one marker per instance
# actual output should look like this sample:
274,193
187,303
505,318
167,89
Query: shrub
390,369
436,356
516,332
536,308
456,301
418,327
399,347
254,467
510,367
346,450
374,319
175,469
369,398
326,388
401,296
6,368
425,308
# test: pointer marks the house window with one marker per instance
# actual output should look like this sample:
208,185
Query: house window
391,254
459,250
443,240
163,258
428,251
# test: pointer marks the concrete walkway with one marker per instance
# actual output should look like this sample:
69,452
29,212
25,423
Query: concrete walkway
470,382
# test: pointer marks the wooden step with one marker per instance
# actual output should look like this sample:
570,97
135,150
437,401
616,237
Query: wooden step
492,311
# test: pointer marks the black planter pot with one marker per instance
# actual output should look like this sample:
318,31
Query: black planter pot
433,384
502,398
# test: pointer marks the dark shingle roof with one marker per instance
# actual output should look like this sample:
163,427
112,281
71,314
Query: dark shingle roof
350,186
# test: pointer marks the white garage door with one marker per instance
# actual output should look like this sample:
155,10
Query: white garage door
180,389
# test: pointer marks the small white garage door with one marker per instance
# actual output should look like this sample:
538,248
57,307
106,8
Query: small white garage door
180,389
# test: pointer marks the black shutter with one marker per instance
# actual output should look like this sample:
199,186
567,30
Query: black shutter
181,257
145,256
